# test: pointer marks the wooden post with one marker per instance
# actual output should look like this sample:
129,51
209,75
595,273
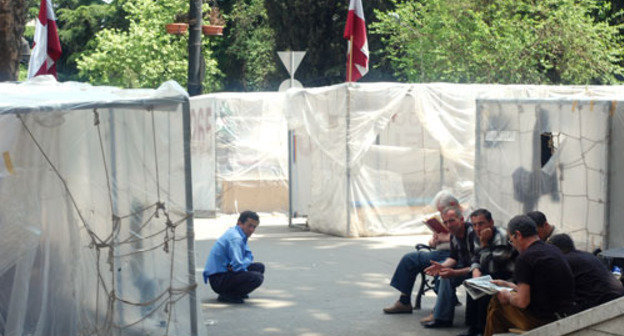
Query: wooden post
349,71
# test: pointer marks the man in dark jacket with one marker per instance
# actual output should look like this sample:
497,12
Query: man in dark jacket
594,284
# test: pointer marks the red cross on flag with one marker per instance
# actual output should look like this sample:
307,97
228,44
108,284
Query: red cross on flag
47,47
355,31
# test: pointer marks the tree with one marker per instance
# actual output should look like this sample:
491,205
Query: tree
144,55
12,22
78,22
247,54
504,41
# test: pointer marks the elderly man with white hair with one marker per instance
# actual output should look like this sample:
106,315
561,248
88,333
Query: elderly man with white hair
415,262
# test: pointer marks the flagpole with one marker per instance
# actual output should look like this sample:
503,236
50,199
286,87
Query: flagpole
350,71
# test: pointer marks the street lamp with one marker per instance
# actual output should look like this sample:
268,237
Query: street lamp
194,85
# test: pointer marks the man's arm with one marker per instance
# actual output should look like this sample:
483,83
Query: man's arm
236,250
520,298
439,238
504,283
452,272
437,267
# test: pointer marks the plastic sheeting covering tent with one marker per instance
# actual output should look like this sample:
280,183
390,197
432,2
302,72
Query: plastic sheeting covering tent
96,232
560,156
250,150
379,152
203,153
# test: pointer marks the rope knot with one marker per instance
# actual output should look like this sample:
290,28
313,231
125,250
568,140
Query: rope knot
166,242
159,206
96,117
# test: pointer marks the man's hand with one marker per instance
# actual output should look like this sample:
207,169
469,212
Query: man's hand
503,283
434,269
485,235
504,296
448,272
439,238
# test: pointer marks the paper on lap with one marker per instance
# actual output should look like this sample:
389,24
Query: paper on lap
481,286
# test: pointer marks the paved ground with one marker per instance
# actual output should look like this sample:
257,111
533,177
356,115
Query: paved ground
315,285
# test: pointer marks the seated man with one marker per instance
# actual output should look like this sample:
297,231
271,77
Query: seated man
594,284
414,262
494,257
230,267
455,269
545,284
544,229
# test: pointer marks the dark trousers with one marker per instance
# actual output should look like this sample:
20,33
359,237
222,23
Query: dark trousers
238,284
476,313
411,265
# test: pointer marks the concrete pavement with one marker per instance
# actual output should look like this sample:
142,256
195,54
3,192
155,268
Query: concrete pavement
315,285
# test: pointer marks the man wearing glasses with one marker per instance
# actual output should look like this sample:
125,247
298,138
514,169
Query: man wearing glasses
545,285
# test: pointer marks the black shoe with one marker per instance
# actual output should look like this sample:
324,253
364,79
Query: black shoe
229,299
471,332
246,296
438,324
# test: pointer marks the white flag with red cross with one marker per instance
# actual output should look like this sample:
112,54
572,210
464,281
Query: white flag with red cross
355,31
47,47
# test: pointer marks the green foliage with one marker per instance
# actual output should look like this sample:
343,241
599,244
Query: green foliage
248,53
504,41
23,72
144,55
78,22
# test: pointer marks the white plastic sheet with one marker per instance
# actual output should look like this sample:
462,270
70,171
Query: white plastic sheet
251,151
93,215
553,155
203,152
379,152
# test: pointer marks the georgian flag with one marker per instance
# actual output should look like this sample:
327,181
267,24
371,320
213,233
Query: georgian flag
356,28
47,47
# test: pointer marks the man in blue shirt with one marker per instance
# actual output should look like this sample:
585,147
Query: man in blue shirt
230,267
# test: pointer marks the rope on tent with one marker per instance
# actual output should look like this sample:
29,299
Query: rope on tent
170,295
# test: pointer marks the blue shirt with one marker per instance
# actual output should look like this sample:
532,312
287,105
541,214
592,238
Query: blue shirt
230,250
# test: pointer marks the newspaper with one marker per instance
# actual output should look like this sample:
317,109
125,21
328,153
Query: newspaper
481,286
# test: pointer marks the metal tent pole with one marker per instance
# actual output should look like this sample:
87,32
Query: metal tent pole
190,229
348,158
290,178
477,162
194,86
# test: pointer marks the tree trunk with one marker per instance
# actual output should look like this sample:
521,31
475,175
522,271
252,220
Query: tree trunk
12,22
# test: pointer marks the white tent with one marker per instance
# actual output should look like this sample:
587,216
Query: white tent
380,151
240,143
96,232
365,159
561,156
